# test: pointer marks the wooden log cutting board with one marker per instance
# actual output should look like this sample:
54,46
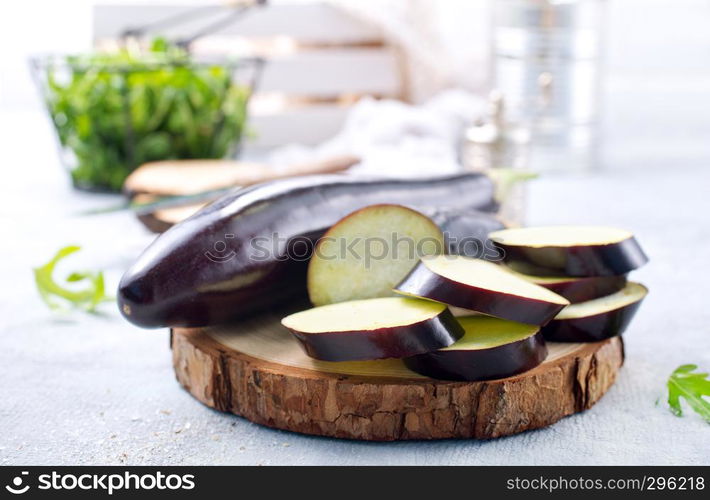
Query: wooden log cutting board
257,370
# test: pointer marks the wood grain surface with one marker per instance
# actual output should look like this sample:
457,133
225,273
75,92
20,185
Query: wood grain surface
255,369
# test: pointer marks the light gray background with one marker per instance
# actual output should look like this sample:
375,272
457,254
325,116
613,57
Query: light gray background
79,389
95,390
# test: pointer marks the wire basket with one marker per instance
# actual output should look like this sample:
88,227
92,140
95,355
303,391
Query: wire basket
113,113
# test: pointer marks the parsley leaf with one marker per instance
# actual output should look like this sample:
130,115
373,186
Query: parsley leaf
87,298
693,387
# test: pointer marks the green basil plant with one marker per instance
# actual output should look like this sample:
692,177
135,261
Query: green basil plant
116,111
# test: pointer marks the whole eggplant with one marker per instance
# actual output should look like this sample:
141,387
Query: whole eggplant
248,251
466,232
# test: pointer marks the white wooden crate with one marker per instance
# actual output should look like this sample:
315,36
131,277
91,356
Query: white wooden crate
308,22
333,72
302,124
316,55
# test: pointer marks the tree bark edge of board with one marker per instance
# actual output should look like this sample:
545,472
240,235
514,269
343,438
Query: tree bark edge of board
381,409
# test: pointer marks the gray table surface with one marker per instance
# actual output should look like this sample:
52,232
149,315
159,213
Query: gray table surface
79,389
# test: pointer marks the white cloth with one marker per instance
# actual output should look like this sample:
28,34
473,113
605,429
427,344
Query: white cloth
398,139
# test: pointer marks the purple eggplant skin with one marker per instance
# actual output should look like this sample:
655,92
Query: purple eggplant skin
422,282
466,233
388,342
613,259
591,328
248,251
582,289
481,364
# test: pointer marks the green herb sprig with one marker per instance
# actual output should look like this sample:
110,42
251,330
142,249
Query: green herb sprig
692,387
506,178
86,299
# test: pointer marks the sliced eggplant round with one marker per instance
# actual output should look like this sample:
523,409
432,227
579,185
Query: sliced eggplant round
579,289
578,251
365,254
491,348
597,319
390,327
483,287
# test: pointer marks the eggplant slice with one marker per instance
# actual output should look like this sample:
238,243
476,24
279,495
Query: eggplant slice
491,348
366,253
597,319
483,287
390,327
579,289
578,251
